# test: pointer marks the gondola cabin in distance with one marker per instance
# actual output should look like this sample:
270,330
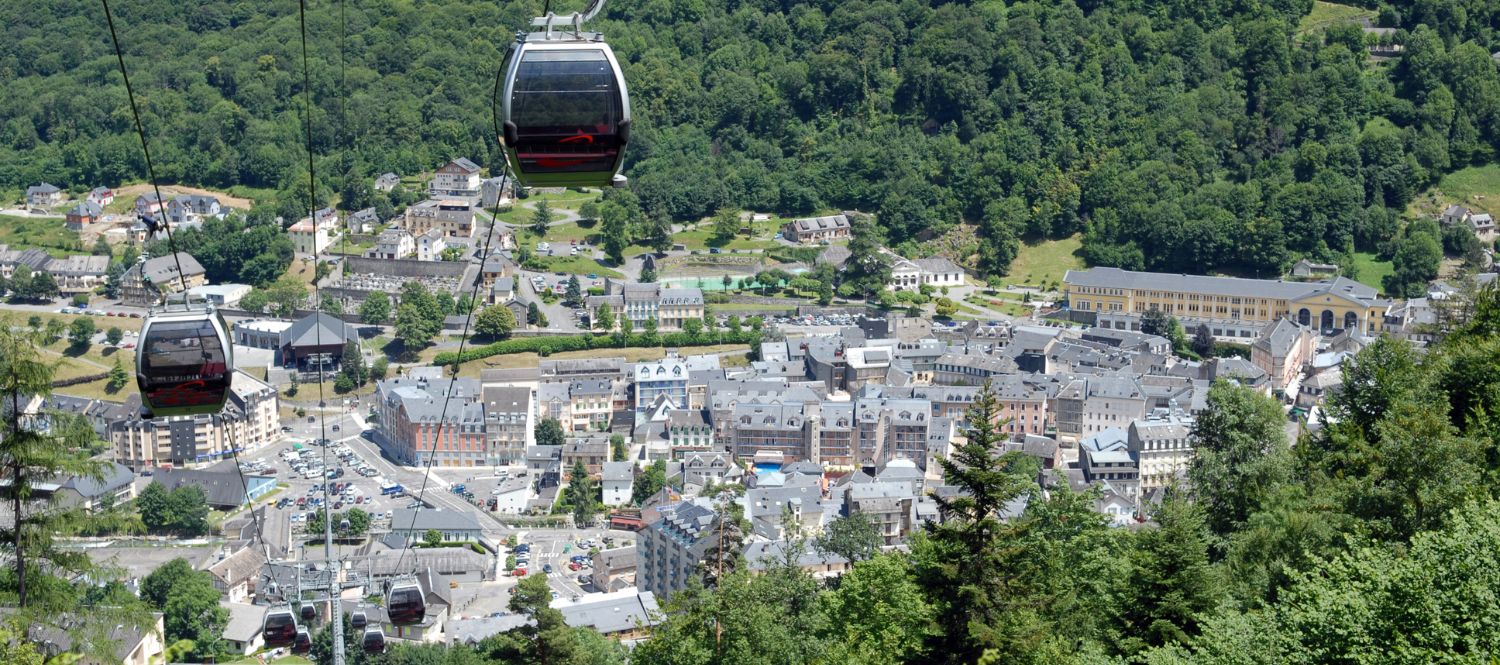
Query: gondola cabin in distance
565,109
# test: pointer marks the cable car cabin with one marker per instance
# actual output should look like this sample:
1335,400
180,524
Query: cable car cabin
280,628
185,362
405,605
358,620
373,640
303,642
309,612
566,111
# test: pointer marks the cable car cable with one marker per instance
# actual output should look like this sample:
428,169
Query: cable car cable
464,338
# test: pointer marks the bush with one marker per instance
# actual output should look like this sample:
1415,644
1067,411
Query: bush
562,343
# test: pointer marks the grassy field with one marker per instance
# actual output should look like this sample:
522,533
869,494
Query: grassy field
1045,261
48,233
577,265
520,215
1371,269
633,354
1475,187
560,235
731,307
1327,14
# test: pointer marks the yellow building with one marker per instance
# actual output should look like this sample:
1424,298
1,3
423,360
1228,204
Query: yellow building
1232,307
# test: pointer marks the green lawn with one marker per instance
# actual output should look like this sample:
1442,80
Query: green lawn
731,307
1327,14
256,194
702,238
1046,261
631,354
1476,187
562,234
1371,269
49,234
576,265
520,215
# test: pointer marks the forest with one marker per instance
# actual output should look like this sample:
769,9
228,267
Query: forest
1173,135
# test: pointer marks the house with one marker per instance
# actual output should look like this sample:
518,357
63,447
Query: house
386,182
83,215
763,555
308,238
817,229
116,486
911,274
35,259
512,496
78,273
145,282
614,568
364,221
243,632
1483,225
672,545
130,644
193,209
492,192
236,574
43,195
1453,214
430,245
459,177
625,616
618,479
1305,268
454,526
147,205
591,450
101,196
221,485
393,244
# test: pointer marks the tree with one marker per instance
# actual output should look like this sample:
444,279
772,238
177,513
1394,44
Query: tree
1203,341
432,538
855,537
549,432
285,296
1172,587
81,332
1240,454
343,384
1156,322
43,287
573,296
376,308
118,377
604,318
34,323
615,231
55,331
352,364
533,314
868,269
1415,263
582,494
80,300
726,223
190,605
379,369
618,452
541,217
415,327
692,327
114,335
20,282
648,274
495,321
879,612
649,482
945,307
182,511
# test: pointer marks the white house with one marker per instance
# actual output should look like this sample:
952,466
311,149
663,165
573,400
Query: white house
430,245
243,631
911,274
386,182
393,244
193,208
459,177
619,479
512,496
308,238
102,196
221,295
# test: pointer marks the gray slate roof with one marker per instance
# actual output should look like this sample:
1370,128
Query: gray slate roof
163,269
317,328
1220,286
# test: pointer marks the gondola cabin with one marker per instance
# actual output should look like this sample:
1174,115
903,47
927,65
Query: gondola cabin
303,641
279,628
565,111
185,361
358,620
404,604
373,640
308,613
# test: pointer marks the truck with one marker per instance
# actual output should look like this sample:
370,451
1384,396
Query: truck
388,489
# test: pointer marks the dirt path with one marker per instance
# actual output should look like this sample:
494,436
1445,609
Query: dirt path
132,191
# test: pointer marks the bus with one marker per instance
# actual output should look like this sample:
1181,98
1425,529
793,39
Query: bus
390,488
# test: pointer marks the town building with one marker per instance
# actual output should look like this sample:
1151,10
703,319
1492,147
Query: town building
386,182
250,419
315,341
243,633
193,209
617,479
934,271
1232,307
614,569
1281,351
393,244
664,379
430,245
34,259
113,487
817,229
101,196
144,283
454,526
309,238
509,424
223,488
236,573
221,295
493,192
421,419
1162,446
671,547
668,308
453,218
1307,269
78,273
459,177
1106,458
592,451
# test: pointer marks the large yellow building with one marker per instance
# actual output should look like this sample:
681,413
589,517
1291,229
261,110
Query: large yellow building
1232,307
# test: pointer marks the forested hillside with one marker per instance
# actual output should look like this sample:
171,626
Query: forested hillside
1175,135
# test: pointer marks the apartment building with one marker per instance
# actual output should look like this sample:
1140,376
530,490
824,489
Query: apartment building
250,419
509,423
415,424
672,547
452,218
459,177
1162,445
642,303
665,379
1282,351
1089,405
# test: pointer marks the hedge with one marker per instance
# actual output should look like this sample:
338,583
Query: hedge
550,345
